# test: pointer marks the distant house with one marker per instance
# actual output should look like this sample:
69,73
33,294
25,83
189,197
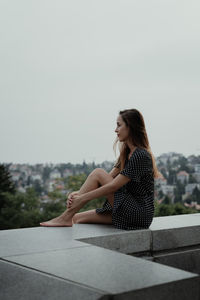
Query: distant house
36,176
16,176
197,168
55,174
190,188
168,190
182,176
67,173
196,176
160,181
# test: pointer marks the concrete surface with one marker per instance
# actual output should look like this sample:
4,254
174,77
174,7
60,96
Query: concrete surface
89,261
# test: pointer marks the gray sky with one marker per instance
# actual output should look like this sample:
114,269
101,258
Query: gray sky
68,67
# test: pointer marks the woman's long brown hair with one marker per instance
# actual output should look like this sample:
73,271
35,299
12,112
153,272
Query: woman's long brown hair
135,122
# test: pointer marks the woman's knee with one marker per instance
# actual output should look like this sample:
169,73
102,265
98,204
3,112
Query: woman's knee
98,171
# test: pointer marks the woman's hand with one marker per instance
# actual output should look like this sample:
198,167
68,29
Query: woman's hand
75,201
69,198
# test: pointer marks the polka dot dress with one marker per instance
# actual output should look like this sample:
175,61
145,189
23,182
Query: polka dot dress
134,202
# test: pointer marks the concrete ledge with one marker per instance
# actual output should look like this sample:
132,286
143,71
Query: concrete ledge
188,260
89,261
175,231
119,240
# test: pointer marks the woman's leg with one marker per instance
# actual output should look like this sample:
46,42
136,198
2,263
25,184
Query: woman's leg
90,216
97,178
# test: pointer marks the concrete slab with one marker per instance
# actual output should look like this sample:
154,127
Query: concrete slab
19,283
80,231
103,269
187,290
177,221
188,260
175,231
119,240
37,239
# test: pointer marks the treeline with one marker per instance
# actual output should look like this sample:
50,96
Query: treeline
21,210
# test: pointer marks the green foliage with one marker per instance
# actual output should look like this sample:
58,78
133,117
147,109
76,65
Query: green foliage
37,187
167,200
20,210
179,191
171,179
172,209
46,172
52,209
6,183
192,179
75,182
183,163
195,197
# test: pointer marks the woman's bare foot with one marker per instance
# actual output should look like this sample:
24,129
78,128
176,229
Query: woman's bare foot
63,220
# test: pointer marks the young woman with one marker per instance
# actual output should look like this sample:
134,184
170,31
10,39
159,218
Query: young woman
129,187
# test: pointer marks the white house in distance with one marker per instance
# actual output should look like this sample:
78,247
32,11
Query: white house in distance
190,188
55,174
197,177
16,176
67,173
182,176
36,176
197,168
160,181
168,189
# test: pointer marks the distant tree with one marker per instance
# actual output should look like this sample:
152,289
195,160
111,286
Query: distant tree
183,162
6,183
172,209
46,172
171,177
38,187
163,210
52,209
20,210
192,179
163,171
160,194
75,182
196,195
167,200
179,191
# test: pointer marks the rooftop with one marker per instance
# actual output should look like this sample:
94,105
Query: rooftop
94,261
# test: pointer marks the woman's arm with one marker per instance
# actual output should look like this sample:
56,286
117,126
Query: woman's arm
114,172
104,190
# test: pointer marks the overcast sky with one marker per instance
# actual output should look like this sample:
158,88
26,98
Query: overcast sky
68,67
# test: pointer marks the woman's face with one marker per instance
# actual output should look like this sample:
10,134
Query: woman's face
122,130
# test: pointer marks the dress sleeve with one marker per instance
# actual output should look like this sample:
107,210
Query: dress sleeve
137,165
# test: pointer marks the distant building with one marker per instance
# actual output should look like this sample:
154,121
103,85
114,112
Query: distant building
160,181
21,189
189,188
36,176
168,190
171,157
55,174
197,168
67,173
182,176
16,176
196,176
50,185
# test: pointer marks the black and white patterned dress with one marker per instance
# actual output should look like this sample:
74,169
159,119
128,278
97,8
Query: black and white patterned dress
134,202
